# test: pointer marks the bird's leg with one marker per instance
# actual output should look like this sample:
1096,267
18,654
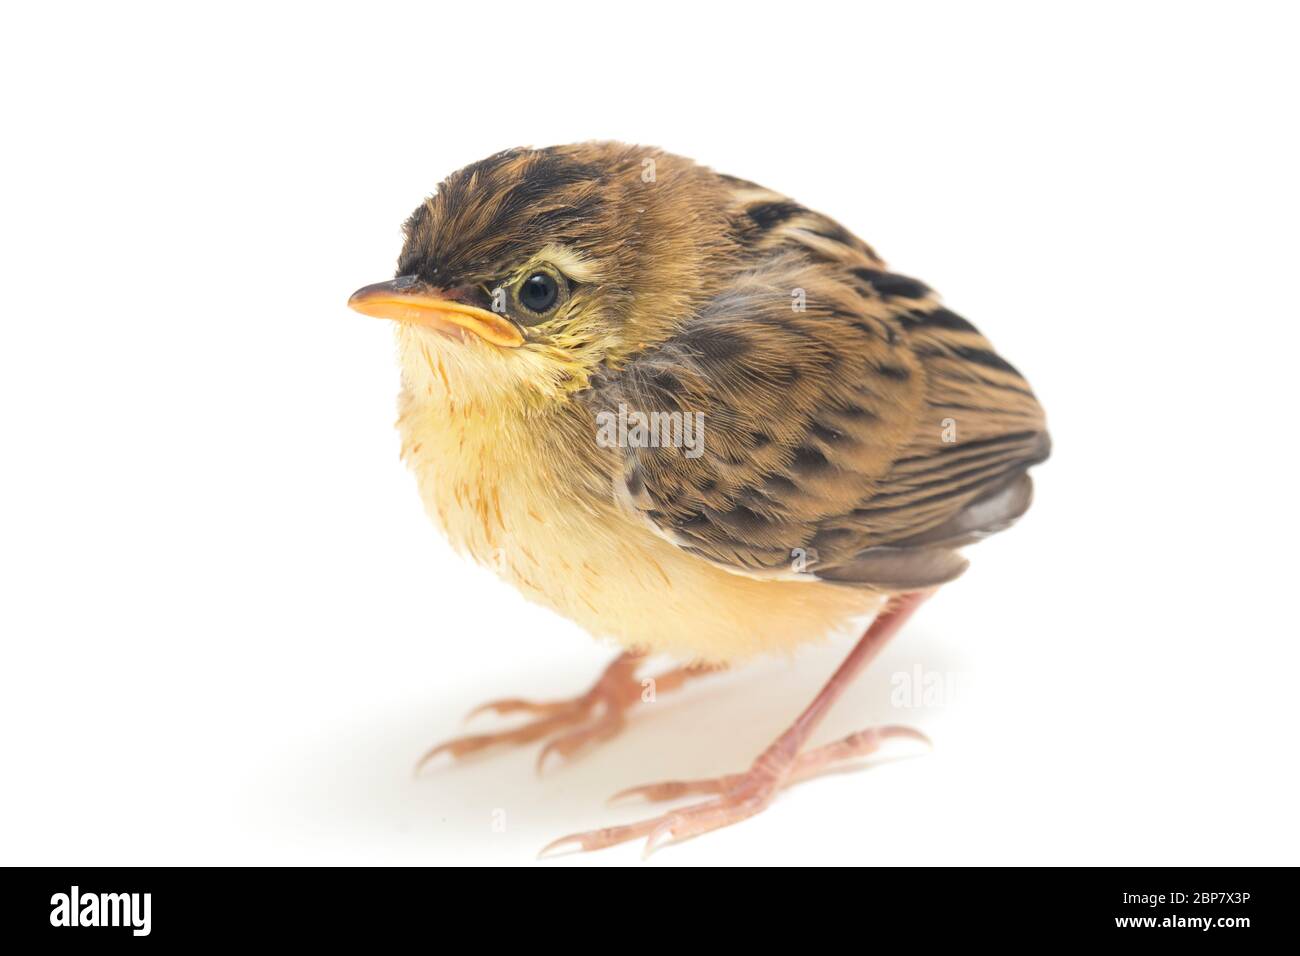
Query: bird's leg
573,724
741,795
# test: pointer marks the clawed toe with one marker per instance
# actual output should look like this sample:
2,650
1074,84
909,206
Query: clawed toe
735,797
675,789
744,796
834,756
565,743
574,725
516,705
565,746
598,839
459,747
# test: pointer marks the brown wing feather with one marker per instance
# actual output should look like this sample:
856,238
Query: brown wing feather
863,437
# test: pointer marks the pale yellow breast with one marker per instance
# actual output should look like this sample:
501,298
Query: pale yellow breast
505,491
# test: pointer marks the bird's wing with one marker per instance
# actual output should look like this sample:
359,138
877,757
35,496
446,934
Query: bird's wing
853,429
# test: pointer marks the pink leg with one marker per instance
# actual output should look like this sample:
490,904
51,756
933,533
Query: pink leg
742,795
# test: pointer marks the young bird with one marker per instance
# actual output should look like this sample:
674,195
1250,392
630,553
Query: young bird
697,418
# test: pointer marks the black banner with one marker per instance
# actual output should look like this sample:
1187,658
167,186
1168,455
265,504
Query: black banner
137,906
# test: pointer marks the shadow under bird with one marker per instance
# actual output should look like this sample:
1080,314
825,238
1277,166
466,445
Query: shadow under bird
699,419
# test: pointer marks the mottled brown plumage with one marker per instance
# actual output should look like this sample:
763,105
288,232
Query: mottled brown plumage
856,433
833,430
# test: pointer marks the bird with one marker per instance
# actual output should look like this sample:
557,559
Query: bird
699,420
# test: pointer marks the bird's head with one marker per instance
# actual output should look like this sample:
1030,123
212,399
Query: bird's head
529,271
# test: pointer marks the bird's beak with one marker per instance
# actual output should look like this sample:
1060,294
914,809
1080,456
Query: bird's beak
408,299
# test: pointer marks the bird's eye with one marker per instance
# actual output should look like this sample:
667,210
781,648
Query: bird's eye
539,292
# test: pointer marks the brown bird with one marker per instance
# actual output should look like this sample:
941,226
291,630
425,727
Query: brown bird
697,418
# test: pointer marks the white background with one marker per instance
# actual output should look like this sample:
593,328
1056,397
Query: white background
228,629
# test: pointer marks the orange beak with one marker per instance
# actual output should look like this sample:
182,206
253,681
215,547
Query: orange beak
408,299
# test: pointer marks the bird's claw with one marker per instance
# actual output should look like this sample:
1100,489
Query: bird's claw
574,724
515,705
744,795
566,745
555,718
736,796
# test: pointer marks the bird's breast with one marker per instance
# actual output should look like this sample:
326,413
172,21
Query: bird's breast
511,493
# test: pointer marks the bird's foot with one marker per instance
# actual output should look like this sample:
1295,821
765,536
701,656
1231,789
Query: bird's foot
737,796
572,725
